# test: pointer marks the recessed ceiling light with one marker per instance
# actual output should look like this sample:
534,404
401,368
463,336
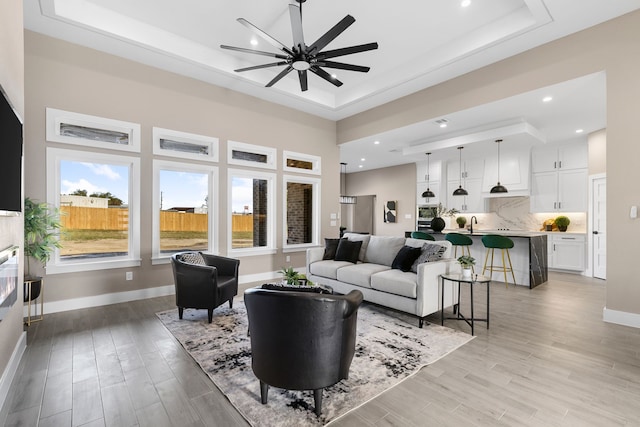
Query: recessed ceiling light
254,42
359,166
443,125
362,159
547,99
579,130
465,3
334,76
376,142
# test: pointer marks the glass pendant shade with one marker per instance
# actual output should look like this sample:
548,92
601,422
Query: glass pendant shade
498,188
428,193
460,191
345,200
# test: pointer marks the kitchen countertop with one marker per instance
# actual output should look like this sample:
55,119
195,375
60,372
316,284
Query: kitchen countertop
510,233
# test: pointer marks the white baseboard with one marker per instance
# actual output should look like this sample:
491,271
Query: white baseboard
621,318
118,297
12,368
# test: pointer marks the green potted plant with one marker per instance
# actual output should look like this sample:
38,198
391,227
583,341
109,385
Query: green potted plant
461,220
292,277
437,223
562,222
41,231
467,262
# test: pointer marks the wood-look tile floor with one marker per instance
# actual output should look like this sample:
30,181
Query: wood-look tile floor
548,359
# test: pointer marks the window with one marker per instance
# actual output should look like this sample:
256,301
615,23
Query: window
168,142
301,211
92,131
184,214
98,197
252,219
301,163
239,153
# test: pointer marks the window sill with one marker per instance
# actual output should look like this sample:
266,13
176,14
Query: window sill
62,268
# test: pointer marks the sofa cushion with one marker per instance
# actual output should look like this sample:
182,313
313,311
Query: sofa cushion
328,268
355,237
383,249
348,251
405,258
359,274
330,247
429,253
396,282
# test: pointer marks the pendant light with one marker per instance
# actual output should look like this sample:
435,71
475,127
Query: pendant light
498,188
428,193
460,191
345,200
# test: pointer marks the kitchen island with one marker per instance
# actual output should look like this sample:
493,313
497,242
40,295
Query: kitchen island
528,255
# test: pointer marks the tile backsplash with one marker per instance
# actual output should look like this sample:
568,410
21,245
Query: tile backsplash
513,213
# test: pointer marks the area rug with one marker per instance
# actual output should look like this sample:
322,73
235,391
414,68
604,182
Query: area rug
388,350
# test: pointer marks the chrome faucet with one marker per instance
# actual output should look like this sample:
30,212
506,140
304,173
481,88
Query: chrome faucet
473,218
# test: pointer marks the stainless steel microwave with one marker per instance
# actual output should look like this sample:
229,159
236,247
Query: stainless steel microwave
426,211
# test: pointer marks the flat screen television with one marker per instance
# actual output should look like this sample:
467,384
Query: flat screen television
10,158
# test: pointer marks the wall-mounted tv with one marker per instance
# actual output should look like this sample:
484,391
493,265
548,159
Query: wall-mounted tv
10,157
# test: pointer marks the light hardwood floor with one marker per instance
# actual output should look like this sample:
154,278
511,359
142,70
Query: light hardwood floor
547,360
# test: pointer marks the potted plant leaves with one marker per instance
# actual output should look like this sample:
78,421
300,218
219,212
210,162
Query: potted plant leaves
41,232
437,223
461,220
562,222
467,262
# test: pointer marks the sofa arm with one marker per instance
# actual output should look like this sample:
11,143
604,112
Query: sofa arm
313,255
428,284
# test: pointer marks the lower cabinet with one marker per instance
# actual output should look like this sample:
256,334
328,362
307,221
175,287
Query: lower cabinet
567,251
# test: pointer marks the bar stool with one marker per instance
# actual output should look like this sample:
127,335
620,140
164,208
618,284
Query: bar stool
493,242
461,240
422,235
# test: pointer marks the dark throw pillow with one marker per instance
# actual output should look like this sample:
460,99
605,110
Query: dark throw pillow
430,252
348,250
330,247
405,258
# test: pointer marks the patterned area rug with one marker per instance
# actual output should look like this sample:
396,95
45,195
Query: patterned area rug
388,350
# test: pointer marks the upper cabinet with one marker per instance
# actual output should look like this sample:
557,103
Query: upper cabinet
550,158
514,171
559,178
471,180
433,177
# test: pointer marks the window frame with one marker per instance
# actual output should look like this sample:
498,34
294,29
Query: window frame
132,259
55,117
250,148
212,209
186,138
271,247
317,211
314,160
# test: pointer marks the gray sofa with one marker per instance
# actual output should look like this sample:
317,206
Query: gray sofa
414,293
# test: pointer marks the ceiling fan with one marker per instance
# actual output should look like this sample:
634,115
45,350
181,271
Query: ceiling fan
302,57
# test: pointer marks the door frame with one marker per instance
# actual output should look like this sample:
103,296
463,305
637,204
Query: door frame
589,271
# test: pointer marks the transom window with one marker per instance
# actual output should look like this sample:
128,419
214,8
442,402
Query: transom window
242,154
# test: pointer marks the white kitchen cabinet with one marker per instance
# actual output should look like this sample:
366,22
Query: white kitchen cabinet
567,251
474,202
514,172
435,175
471,169
549,158
433,186
560,191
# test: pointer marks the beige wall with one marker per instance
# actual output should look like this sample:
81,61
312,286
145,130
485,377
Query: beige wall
388,184
597,151
612,47
11,231
74,78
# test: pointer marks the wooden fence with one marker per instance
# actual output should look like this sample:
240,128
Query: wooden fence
82,218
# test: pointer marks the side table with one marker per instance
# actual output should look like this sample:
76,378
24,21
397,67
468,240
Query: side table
475,278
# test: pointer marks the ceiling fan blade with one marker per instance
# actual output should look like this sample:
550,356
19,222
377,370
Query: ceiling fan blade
266,37
256,52
302,75
334,32
279,76
322,73
257,67
343,66
296,27
347,50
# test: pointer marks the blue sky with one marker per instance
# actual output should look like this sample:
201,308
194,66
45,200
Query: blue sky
182,189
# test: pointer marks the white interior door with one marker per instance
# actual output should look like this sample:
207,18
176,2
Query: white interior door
599,227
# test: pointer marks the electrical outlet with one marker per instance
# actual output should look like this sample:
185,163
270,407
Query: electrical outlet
129,275
287,258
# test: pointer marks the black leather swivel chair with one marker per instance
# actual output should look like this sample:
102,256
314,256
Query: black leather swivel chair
301,340
204,281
